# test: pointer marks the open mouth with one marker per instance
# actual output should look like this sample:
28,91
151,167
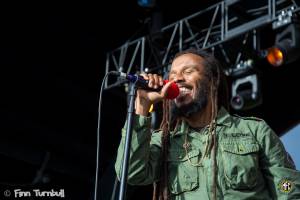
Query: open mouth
184,90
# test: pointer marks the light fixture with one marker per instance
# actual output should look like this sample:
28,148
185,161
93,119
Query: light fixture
275,56
245,93
147,3
245,88
286,48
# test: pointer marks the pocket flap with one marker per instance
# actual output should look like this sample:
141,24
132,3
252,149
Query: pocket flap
180,155
240,147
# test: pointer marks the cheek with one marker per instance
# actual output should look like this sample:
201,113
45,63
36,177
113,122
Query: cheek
194,80
196,88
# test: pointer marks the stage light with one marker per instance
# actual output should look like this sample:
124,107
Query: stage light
147,3
245,93
286,48
275,56
245,88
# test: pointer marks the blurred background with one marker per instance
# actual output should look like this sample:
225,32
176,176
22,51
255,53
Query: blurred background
53,56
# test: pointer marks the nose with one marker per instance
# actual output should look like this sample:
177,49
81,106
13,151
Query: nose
178,78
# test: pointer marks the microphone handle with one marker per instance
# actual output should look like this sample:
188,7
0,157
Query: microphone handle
141,83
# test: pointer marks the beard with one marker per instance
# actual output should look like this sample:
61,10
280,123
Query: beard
196,105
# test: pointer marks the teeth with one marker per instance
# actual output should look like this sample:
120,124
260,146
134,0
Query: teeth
184,90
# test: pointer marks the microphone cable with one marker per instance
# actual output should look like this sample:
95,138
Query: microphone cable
98,131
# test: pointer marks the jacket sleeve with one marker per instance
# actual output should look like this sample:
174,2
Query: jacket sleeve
145,153
282,179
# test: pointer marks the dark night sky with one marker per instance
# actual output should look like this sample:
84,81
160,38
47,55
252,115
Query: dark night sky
52,58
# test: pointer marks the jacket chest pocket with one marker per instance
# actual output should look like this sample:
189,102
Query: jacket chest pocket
183,176
240,163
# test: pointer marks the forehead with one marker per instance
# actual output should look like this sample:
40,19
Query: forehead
186,60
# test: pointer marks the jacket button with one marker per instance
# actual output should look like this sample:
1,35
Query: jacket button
241,148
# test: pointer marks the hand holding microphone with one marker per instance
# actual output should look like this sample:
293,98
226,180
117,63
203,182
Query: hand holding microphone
154,82
155,90
152,89
151,82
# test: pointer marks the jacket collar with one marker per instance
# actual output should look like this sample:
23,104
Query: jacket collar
223,119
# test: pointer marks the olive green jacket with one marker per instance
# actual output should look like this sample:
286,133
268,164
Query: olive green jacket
251,161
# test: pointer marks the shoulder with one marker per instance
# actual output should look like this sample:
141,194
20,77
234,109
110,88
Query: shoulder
253,124
247,120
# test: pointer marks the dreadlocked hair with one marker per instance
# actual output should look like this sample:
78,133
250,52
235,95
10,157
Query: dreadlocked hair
218,96
160,191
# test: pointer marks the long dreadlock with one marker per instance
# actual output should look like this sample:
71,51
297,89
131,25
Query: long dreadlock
218,96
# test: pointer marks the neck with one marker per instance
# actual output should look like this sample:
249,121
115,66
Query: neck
202,118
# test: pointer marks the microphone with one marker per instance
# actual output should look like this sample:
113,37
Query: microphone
140,82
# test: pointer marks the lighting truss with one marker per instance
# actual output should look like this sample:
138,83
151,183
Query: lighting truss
210,29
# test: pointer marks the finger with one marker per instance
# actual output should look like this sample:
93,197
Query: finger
165,88
145,76
151,80
156,80
161,82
